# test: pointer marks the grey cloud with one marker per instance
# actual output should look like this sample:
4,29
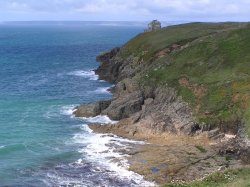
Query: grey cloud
130,9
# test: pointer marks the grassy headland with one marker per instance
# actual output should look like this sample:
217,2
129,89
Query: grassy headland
209,66
207,63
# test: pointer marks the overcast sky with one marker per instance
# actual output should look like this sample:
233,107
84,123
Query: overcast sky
125,10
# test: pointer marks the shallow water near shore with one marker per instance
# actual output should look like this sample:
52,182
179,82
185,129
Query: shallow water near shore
45,72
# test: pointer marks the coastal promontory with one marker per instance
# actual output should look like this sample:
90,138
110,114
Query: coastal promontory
185,90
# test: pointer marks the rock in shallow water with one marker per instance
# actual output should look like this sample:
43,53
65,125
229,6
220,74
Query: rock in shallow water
92,109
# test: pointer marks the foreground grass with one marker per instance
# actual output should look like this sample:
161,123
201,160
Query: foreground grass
230,178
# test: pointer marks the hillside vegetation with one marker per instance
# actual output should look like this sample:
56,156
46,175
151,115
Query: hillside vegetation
185,90
207,63
229,178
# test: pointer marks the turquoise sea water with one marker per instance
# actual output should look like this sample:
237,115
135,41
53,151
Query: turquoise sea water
45,72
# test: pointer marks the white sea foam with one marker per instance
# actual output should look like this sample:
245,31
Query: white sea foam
2,146
90,74
55,178
67,110
55,111
101,90
102,119
105,151
86,128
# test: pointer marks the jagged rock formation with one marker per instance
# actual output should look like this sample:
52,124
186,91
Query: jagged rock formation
157,110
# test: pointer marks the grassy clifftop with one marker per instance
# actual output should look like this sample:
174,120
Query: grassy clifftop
207,63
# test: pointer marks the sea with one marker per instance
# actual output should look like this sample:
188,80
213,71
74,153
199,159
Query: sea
46,70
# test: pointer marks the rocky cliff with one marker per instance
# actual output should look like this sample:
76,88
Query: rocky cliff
146,109
182,85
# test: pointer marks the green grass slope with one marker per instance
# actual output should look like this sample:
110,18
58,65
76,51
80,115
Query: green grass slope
229,178
208,64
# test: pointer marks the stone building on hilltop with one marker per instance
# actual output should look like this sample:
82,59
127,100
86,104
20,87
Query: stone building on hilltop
153,25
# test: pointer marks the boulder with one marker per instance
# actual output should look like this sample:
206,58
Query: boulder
87,110
92,109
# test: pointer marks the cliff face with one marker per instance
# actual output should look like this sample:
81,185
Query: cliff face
189,79
144,108
166,92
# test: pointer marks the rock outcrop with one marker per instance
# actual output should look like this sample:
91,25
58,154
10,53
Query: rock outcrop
92,109
108,70
155,110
